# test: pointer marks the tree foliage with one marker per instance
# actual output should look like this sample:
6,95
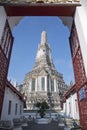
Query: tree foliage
43,106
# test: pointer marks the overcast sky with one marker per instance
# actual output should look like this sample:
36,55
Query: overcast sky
27,36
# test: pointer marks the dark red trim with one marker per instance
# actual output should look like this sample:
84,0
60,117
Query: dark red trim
69,92
41,9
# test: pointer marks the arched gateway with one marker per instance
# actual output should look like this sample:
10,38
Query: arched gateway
73,13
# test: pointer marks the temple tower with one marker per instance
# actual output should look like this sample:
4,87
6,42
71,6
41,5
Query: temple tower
44,83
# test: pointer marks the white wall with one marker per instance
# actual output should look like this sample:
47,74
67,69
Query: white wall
2,20
81,26
13,21
69,107
10,95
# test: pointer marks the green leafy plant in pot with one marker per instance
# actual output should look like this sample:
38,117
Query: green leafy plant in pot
43,106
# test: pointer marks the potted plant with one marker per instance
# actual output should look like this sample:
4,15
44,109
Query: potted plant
43,106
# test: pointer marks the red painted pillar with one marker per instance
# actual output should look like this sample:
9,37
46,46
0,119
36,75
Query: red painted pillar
5,53
80,76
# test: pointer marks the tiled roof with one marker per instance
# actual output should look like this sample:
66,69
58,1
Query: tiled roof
69,92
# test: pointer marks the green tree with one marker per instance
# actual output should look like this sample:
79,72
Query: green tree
43,106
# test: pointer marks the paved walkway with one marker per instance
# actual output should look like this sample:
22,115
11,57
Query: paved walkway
51,126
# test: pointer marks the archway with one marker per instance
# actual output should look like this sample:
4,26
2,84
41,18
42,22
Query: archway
77,49
32,27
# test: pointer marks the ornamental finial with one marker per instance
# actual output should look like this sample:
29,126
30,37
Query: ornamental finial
43,37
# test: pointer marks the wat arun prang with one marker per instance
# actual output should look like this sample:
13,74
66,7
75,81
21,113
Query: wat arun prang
43,83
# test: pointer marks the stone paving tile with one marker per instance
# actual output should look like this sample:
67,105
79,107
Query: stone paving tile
19,128
50,126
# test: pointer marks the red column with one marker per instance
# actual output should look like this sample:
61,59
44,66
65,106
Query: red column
80,76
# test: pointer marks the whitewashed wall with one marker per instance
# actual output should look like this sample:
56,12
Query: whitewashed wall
10,95
70,108
2,20
81,26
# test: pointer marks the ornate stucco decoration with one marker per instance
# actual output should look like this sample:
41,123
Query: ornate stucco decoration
39,1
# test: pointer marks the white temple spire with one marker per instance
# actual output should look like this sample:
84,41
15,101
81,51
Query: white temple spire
43,79
43,37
